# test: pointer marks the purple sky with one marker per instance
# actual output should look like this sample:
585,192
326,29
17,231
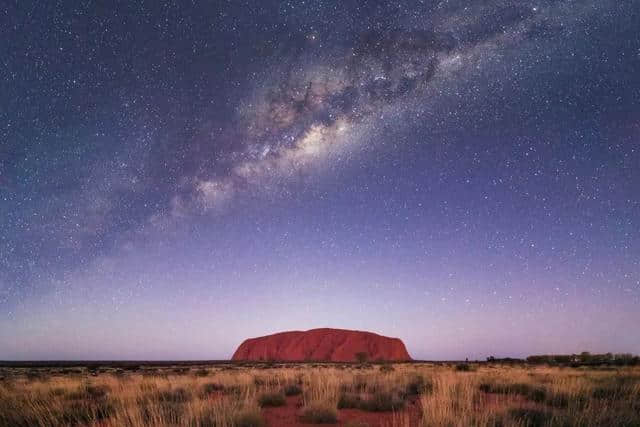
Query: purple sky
175,179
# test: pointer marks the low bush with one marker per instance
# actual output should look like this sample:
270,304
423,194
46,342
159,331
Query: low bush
319,414
176,395
88,392
163,406
161,412
418,385
58,391
349,401
558,400
233,390
35,376
359,383
382,402
85,412
537,394
211,388
201,373
292,390
249,418
376,402
605,392
531,417
486,388
271,399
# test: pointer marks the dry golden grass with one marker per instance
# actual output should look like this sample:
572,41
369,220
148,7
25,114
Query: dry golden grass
228,395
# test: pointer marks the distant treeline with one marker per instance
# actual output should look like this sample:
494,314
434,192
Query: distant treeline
504,360
126,364
586,358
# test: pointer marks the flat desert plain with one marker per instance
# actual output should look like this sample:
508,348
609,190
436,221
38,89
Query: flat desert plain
269,394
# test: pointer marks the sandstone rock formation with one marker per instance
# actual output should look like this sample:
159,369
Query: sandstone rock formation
331,345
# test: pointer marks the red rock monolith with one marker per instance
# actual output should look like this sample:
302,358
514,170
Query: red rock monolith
327,345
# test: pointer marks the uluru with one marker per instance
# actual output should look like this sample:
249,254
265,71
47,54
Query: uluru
324,344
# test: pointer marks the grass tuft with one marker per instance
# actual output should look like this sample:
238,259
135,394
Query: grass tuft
211,388
292,390
271,399
382,402
249,418
438,395
531,417
319,414
463,367
418,385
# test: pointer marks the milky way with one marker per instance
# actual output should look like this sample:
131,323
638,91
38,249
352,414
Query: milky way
462,175
298,121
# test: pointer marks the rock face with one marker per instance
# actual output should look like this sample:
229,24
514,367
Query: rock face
331,345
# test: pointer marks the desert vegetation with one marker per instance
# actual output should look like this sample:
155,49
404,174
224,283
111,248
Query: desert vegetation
363,394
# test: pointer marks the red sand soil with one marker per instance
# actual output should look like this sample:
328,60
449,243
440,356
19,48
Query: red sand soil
331,345
289,415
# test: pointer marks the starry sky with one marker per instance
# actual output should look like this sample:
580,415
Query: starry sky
178,176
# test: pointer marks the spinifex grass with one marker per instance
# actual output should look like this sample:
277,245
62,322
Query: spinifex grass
404,394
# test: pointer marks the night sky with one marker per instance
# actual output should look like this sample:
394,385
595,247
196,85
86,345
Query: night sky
178,176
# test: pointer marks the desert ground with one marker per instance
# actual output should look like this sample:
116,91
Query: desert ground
407,394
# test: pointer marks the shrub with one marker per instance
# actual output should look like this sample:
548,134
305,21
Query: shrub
176,395
154,373
271,399
58,391
418,385
493,420
360,383
164,407
382,402
605,392
34,375
211,388
163,413
463,367
88,392
558,400
349,401
319,414
486,388
249,418
538,394
233,389
292,390
83,412
97,392
519,388
530,417
377,402
201,373
386,369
